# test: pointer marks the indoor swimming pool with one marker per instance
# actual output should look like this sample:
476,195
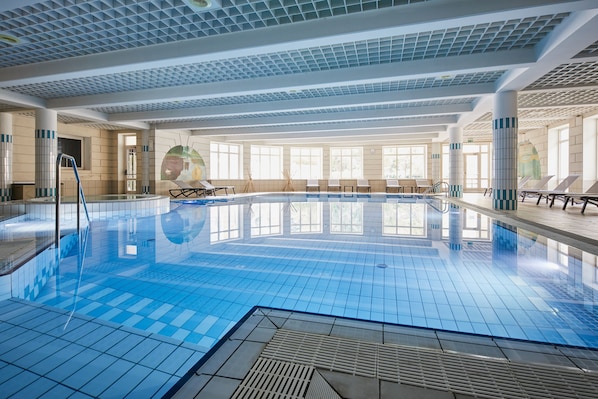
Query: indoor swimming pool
191,274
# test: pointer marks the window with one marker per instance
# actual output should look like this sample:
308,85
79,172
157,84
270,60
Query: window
306,217
72,147
225,223
266,219
404,219
225,161
266,162
306,163
346,218
346,163
404,162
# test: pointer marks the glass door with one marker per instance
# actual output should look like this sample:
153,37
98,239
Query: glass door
131,171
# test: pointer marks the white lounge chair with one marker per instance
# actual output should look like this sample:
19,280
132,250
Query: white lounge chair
211,189
394,183
525,192
334,183
421,185
590,196
559,189
312,183
363,183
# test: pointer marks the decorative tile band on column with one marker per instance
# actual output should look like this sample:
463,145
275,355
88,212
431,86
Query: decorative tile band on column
145,190
45,134
145,148
505,123
455,146
5,194
45,192
455,246
5,138
435,156
505,199
455,190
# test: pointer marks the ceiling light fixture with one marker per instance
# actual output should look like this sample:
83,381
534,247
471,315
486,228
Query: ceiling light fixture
9,39
202,5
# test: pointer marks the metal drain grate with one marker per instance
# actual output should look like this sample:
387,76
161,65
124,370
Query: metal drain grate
275,379
429,368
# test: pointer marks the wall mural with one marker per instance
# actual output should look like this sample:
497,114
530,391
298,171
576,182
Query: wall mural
529,161
183,163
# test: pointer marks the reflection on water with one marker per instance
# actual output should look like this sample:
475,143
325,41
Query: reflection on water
414,261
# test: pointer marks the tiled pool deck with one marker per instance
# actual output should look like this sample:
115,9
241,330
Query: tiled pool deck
92,358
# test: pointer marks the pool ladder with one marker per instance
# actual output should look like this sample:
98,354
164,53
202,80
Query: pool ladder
80,197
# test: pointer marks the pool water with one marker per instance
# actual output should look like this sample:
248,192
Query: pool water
192,273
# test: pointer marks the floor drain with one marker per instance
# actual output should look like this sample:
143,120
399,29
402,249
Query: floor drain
382,265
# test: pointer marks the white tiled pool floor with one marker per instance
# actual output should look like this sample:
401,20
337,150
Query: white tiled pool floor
45,353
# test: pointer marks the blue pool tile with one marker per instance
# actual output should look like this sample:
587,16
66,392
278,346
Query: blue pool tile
127,383
18,382
105,378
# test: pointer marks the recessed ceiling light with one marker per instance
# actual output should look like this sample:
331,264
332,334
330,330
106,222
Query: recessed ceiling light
9,39
202,5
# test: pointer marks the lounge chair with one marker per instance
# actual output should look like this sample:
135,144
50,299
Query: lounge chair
394,183
590,196
525,192
334,183
186,190
421,185
363,183
211,189
312,183
559,189
520,185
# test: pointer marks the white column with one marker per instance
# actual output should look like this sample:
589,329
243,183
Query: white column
5,156
504,142
456,171
145,164
46,151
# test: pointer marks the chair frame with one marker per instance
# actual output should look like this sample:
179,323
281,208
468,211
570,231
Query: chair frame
312,183
363,183
394,184
186,190
336,183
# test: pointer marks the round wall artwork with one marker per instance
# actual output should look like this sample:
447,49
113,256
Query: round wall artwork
183,163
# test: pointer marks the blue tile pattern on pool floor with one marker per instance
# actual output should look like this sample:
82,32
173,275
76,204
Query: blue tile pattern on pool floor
193,273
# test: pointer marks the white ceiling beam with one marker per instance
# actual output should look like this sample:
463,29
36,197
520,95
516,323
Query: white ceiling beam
362,115
390,124
367,99
387,138
21,100
406,133
496,61
415,18
100,117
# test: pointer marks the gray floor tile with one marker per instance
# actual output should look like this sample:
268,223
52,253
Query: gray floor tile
536,357
213,364
411,340
239,363
350,386
308,326
219,388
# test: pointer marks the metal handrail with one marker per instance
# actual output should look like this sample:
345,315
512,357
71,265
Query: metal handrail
80,197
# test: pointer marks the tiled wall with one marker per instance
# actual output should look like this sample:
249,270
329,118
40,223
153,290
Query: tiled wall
99,178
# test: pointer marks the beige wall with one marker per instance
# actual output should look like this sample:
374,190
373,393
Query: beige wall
99,177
